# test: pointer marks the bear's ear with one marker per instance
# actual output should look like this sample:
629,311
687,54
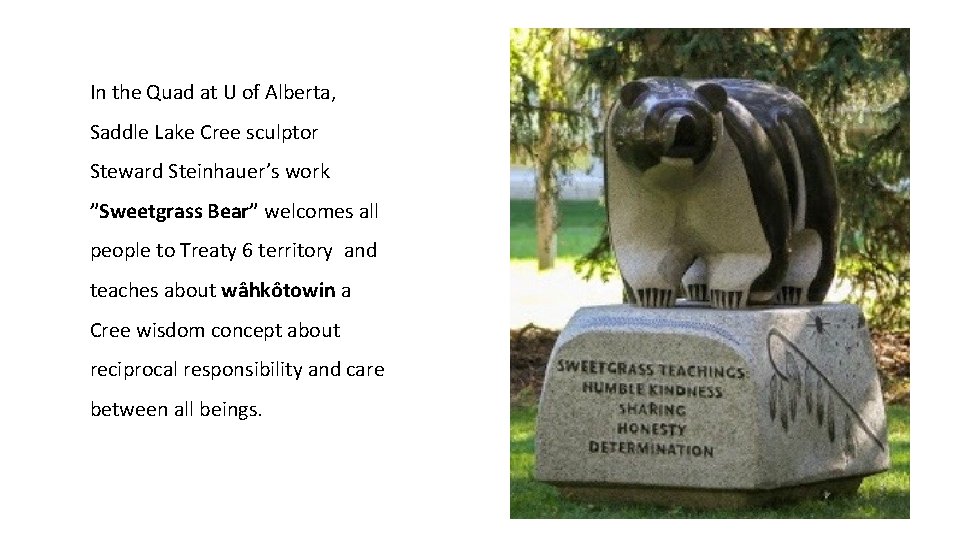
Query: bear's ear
631,91
715,95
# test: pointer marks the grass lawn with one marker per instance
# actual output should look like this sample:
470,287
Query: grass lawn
581,224
885,495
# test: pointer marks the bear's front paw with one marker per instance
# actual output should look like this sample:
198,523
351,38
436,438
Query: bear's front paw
652,297
728,299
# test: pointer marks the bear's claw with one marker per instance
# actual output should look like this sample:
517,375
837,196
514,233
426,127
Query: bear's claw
726,299
790,296
653,297
697,292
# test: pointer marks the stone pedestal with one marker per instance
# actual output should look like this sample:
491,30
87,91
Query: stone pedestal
711,408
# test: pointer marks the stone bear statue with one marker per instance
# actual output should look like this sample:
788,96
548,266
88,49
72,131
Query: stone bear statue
719,190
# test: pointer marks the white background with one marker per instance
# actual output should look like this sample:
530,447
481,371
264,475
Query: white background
420,126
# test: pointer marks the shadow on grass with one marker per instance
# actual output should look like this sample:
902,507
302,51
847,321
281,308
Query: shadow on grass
885,495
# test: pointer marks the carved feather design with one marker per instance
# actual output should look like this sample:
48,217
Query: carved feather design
796,377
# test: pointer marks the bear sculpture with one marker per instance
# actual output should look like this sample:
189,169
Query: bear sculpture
719,190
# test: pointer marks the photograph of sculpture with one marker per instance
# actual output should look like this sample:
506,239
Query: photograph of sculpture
710,273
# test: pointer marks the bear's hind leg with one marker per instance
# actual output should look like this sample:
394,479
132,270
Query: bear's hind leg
805,254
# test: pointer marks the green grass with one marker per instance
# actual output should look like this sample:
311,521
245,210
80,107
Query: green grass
581,224
885,495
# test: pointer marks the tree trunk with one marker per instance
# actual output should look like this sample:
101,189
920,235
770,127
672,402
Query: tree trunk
546,193
547,189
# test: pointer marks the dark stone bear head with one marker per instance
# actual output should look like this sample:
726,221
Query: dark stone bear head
665,120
